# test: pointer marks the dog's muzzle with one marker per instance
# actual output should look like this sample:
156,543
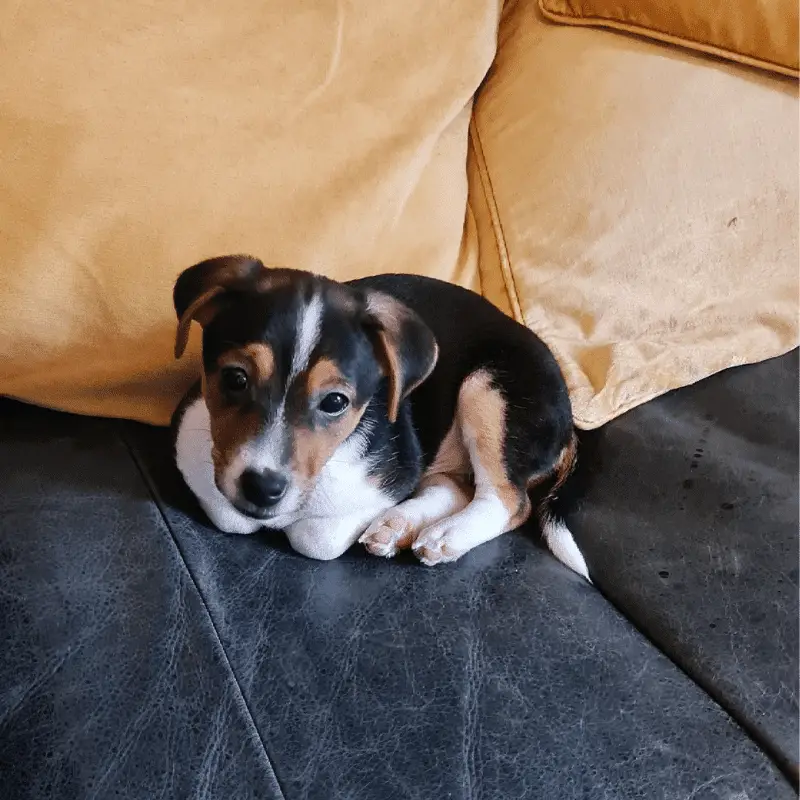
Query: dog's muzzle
261,491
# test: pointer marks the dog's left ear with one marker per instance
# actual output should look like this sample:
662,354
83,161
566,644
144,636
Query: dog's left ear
404,345
198,288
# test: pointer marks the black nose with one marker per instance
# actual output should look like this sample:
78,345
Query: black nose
263,489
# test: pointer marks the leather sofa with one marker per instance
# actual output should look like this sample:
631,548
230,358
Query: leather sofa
146,655
630,194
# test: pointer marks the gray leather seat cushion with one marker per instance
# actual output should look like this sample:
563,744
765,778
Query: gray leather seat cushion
501,676
690,527
113,683
148,655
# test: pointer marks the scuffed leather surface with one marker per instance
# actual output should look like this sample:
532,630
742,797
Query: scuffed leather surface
690,526
501,676
112,683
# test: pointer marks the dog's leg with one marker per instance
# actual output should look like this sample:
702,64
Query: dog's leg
445,489
326,538
500,504
438,496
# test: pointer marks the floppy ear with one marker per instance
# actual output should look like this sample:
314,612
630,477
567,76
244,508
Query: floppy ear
197,290
404,345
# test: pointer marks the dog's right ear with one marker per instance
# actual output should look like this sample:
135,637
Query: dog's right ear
404,345
198,288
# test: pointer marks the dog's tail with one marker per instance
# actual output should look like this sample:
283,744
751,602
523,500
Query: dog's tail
557,535
561,544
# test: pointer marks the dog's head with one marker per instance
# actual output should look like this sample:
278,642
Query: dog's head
290,362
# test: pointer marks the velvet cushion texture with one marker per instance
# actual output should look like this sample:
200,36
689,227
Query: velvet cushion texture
761,33
138,139
637,207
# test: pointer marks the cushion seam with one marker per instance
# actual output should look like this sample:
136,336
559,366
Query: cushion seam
497,226
470,216
509,280
153,492
642,30
681,660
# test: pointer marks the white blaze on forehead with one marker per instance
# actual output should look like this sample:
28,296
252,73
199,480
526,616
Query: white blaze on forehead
308,327
266,452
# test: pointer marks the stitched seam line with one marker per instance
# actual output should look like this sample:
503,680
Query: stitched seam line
590,422
642,30
539,326
497,226
471,217
250,719
706,685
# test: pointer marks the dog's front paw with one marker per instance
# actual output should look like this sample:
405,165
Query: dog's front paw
389,533
438,544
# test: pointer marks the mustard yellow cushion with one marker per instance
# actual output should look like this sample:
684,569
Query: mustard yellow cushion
761,33
636,206
139,138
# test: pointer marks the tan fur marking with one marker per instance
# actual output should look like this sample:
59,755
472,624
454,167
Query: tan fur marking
325,375
388,310
202,310
391,314
482,412
445,479
262,358
313,448
390,363
230,426
567,459
229,271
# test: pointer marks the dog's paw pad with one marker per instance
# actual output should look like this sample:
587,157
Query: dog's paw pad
437,545
387,535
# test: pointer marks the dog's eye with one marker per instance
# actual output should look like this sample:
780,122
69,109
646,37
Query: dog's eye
333,404
234,380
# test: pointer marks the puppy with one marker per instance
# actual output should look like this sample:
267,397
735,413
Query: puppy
399,411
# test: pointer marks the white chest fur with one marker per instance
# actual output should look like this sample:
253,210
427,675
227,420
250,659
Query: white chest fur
340,507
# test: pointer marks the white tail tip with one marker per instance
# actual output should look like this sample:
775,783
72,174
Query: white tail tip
559,540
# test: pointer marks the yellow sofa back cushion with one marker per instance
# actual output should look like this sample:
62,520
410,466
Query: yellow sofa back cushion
637,207
139,138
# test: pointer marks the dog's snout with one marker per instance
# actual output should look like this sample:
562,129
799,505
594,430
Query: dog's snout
263,489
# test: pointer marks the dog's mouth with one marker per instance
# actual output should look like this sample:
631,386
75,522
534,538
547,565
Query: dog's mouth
253,512
278,516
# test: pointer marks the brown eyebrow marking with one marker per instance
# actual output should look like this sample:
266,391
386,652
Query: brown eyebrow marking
256,355
263,360
324,374
231,427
